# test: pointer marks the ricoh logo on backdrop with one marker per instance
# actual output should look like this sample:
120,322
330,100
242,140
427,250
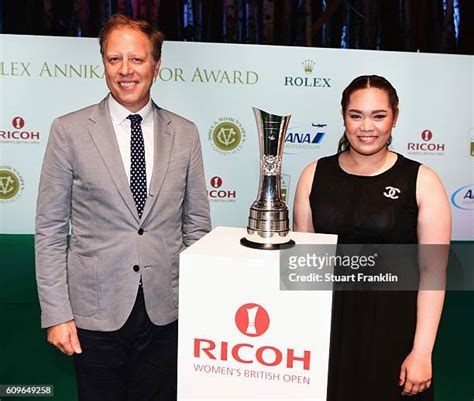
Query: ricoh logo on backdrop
12,184
237,358
226,136
463,198
304,137
307,80
219,194
426,146
17,133
208,76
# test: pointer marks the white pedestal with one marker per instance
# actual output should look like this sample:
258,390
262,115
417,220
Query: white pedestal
240,337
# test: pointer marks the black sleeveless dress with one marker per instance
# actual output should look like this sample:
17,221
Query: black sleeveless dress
372,332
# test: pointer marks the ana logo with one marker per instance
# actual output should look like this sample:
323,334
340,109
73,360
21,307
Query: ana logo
11,184
463,198
426,147
252,320
18,123
227,135
426,135
307,81
219,194
391,192
304,137
308,66
18,135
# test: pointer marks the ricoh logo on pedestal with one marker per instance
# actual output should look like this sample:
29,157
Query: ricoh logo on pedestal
251,356
227,136
252,320
17,133
218,193
308,79
304,137
426,146
11,184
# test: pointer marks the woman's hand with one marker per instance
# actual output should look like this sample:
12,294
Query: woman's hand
415,373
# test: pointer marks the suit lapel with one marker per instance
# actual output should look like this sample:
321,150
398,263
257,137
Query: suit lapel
102,132
163,143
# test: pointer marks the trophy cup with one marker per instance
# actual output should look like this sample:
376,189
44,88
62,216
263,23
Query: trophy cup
268,226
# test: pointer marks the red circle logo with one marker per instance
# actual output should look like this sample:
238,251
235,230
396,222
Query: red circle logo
426,135
18,122
252,320
216,182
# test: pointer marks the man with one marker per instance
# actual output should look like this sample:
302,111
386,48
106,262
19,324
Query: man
127,177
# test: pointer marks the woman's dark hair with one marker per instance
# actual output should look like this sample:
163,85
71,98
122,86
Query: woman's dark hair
364,82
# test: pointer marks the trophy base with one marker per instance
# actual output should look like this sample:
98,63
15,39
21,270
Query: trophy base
269,247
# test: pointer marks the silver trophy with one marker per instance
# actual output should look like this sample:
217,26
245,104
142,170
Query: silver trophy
268,226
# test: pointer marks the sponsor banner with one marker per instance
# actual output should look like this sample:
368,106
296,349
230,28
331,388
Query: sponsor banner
227,136
303,138
462,204
12,184
307,77
19,133
216,85
463,198
426,147
218,192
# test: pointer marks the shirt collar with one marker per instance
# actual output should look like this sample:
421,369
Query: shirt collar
119,114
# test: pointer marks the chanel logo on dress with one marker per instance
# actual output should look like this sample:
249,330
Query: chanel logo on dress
391,192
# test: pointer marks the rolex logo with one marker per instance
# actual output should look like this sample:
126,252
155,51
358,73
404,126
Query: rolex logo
308,66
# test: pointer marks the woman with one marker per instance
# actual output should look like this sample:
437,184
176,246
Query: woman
381,341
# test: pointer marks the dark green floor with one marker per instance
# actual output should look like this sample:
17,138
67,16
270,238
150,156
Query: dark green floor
26,358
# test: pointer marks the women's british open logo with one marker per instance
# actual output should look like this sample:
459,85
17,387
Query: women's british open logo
11,184
227,135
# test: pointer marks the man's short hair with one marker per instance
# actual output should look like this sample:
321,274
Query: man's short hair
118,21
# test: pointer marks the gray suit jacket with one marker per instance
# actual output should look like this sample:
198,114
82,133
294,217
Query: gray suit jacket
83,185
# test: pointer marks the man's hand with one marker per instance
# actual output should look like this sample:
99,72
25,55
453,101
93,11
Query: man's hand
64,337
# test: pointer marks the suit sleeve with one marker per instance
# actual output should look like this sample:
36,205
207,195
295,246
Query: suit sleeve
53,213
196,214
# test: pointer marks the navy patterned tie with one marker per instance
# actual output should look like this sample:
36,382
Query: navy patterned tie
137,165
